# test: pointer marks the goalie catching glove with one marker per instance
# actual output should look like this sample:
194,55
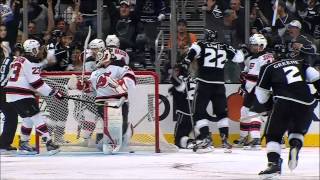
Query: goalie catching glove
75,83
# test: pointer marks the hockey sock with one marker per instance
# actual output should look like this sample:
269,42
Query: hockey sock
295,140
43,130
26,129
273,151
244,129
41,127
224,132
203,128
255,126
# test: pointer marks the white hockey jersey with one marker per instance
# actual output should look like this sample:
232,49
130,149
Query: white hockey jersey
24,80
99,81
253,65
119,55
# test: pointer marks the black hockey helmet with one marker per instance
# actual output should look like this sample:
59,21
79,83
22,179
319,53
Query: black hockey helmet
210,35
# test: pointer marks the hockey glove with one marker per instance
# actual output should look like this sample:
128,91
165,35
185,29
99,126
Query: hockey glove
243,77
57,94
83,86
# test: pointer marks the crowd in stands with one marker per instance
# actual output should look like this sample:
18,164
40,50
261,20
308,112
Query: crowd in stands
63,25
297,27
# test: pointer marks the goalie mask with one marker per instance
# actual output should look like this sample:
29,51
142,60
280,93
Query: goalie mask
97,46
112,41
105,60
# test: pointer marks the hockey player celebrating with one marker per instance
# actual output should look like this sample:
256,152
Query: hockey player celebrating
98,50
24,81
113,44
110,83
210,57
292,109
251,106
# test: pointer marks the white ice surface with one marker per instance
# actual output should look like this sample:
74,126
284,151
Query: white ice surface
182,165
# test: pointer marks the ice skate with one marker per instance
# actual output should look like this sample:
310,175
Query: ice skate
227,147
26,149
203,146
255,144
239,143
52,148
273,171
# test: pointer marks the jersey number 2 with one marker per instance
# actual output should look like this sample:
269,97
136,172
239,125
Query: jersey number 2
214,58
292,74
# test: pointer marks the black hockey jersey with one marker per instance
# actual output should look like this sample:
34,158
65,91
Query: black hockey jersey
180,94
288,79
211,58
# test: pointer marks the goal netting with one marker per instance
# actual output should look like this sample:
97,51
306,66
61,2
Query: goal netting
70,120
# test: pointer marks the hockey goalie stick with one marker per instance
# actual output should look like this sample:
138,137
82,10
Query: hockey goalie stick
120,103
86,42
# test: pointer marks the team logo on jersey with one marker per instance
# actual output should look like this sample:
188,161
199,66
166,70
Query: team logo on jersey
102,80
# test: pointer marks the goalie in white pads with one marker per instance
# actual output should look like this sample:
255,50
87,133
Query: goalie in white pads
110,83
24,82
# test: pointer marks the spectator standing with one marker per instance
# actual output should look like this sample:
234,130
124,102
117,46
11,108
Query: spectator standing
298,45
214,16
284,18
184,41
151,13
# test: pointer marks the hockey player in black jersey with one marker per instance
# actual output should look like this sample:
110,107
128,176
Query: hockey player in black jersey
182,92
211,56
292,109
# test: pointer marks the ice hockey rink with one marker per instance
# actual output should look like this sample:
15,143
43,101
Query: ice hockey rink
239,164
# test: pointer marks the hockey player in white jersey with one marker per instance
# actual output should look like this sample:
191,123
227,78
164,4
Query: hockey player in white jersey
113,44
23,84
98,49
251,106
110,83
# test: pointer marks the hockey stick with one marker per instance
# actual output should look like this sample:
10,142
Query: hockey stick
274,18
119,104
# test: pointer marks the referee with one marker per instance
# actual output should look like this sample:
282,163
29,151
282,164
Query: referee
10,116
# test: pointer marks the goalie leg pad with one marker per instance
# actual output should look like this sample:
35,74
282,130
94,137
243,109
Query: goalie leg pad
112,130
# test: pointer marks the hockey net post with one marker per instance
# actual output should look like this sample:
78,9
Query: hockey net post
68,121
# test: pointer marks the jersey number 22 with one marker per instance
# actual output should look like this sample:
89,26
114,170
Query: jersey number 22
214,58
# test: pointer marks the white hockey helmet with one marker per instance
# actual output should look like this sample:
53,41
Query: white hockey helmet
112,41
258,39
31,46
97,44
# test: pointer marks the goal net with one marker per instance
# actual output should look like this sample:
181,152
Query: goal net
70,120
